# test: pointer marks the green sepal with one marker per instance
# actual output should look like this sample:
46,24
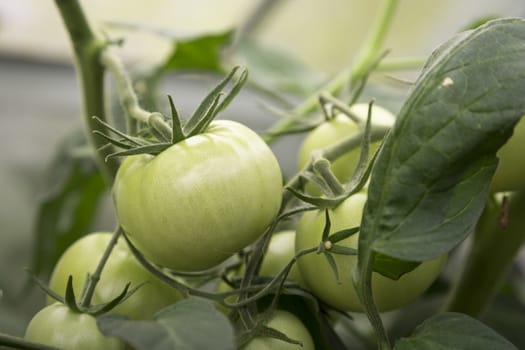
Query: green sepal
342,250
152,149
46,289
176,125
327,226
106,307
204,109
343,234
332,263
69,298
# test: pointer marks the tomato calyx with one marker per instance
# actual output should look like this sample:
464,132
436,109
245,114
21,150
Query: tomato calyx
71,301
161,133
261,329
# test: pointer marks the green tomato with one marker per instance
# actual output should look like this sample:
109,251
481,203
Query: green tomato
83,256
335,130
288,324
280,252
58,326
201,200
510,174
319,277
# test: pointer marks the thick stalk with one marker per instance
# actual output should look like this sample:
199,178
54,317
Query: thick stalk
493,249
87,47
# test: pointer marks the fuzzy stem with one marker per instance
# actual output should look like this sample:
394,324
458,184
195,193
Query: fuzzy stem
128,98
492,252
87,47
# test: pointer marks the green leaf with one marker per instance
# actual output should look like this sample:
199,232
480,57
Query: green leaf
431,179
67,210
453,331
199,53
391,267
188,324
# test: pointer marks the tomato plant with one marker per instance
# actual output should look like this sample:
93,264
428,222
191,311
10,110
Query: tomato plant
290,325
200,201
197,199
56,325
340,293
122,268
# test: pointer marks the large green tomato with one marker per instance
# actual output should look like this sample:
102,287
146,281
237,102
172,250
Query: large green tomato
58,326
201,200
82,257
320,278
338,128
288,324
510,174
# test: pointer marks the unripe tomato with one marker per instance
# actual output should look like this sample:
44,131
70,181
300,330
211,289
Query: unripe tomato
319,277
82,257
338,128
201,200
58,326
288,324
281,250
510,174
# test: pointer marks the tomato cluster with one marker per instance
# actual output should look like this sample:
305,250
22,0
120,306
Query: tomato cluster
199,202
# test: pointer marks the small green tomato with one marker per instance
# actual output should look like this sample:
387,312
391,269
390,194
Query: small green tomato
58,326
83,256
288,324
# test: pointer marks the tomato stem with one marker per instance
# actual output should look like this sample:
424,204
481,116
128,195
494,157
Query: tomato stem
93,279
493,249
128,98
20,343
367,59
362,280
87,47
372,47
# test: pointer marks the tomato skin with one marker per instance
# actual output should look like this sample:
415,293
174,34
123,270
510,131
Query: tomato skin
338,128
319,277
56,325
290,325
510,174
82,257
281,250
201,200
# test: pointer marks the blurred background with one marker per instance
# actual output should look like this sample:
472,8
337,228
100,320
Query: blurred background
40,99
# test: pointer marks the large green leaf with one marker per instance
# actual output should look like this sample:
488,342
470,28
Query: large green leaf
67,210
188,324
432,177
453,331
